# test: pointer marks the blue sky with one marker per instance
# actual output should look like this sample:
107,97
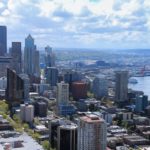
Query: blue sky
79,23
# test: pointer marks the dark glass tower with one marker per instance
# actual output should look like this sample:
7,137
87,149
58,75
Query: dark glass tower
3,40
67,137
16,55
15,88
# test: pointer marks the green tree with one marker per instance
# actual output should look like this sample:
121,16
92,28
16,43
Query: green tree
3,107
36,136
46,145
26,127
90,95
16,119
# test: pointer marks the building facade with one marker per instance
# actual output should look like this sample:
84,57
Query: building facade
49,57
16,57
141,102
27,113
37,63
3,40
100,87
15,88
92,133
121,87
5,62
51,76
62,93
67,137
31,56
40,109
79,90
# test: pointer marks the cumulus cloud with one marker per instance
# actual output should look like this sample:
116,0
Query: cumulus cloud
86,23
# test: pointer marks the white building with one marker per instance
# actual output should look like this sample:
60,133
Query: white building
62,93
27,113
92,133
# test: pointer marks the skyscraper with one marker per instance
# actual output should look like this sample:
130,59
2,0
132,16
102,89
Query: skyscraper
3,40
29,56
16,57
26,85
79,90
51,76
121,89
62,134
100,87
92,133
62,93
71,76
15,88
5,62
141,102
49,57
37,63
67,137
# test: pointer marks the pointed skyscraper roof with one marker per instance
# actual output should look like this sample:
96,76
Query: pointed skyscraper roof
29,36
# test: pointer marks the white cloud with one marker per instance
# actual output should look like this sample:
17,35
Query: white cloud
47,7
6,12
42,30
2,5
79,20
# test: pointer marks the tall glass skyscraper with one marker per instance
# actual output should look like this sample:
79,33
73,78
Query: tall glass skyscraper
3,40
16,56
29,55
31,58
121,88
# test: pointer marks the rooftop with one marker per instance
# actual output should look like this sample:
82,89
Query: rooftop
24,141
91,118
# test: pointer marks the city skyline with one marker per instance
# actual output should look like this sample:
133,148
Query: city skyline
78,24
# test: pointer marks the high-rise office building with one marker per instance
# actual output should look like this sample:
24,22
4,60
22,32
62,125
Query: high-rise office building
62,93
141,102
49,57
5,62
92,133
100,87
79,90
37,63
121,88
26,85
62,134
40,109
71,76
29,56
3,40
16,57
51,76
15,88
67,137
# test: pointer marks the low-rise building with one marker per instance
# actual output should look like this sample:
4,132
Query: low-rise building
137,140
13,140
27,113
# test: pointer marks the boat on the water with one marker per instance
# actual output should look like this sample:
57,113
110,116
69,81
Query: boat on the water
132,81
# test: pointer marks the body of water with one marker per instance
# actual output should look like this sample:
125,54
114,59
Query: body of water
142,85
